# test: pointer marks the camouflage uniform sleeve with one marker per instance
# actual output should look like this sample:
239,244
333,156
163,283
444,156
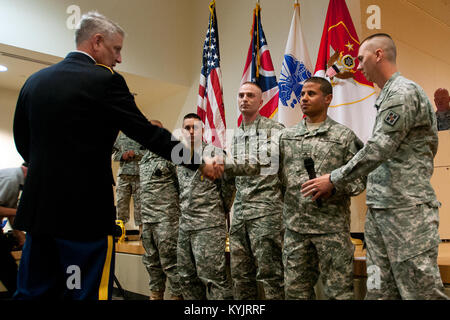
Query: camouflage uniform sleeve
173,168
139,153
117,149
393,123
255,164
356,186
233,168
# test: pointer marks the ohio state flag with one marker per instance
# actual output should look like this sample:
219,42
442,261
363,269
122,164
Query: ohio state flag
353,96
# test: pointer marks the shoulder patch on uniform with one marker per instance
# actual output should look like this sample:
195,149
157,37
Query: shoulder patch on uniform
104,66
391,118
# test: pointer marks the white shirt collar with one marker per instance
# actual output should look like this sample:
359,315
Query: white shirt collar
86,54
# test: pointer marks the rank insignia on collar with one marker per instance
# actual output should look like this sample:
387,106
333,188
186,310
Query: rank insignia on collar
391,118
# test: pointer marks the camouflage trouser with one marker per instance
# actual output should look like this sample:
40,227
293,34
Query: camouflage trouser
306,256
402,249
128,186
160,257
201,264
255,247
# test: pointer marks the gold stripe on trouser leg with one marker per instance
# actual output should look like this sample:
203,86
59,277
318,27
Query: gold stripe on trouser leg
104,283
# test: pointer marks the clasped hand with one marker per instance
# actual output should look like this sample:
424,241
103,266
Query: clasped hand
213,168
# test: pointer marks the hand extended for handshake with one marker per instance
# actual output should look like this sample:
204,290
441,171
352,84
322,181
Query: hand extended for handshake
213,168
321,187
128,155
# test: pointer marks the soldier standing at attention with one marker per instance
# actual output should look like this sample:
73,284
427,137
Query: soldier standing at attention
202,231
317,235
402,219
160,212
128,152
256,229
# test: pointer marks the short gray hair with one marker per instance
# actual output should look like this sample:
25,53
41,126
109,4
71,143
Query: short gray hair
94,22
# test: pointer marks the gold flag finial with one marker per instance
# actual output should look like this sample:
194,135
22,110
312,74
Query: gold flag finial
212,5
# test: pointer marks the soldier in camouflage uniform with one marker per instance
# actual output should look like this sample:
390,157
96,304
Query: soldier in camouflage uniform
402,220
128,152
202,232
442,101
160,212
317,237
256,234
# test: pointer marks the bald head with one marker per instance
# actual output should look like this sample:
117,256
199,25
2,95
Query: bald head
384,42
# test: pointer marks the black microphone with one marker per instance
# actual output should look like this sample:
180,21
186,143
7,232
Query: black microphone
309,166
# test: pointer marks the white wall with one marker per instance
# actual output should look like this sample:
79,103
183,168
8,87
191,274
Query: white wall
157,44
9,156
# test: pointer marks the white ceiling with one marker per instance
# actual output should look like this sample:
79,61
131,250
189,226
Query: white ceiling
20,69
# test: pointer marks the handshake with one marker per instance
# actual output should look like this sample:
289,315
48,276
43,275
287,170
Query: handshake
128,155
213,168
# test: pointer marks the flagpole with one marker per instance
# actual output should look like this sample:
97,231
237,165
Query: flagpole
211,10
257,9
296,4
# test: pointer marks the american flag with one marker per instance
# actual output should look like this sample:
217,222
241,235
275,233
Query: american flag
210,106
259,68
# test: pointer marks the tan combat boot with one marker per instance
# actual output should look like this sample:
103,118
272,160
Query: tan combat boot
156,295
173,297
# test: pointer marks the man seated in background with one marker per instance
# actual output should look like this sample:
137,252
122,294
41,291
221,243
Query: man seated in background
11,182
